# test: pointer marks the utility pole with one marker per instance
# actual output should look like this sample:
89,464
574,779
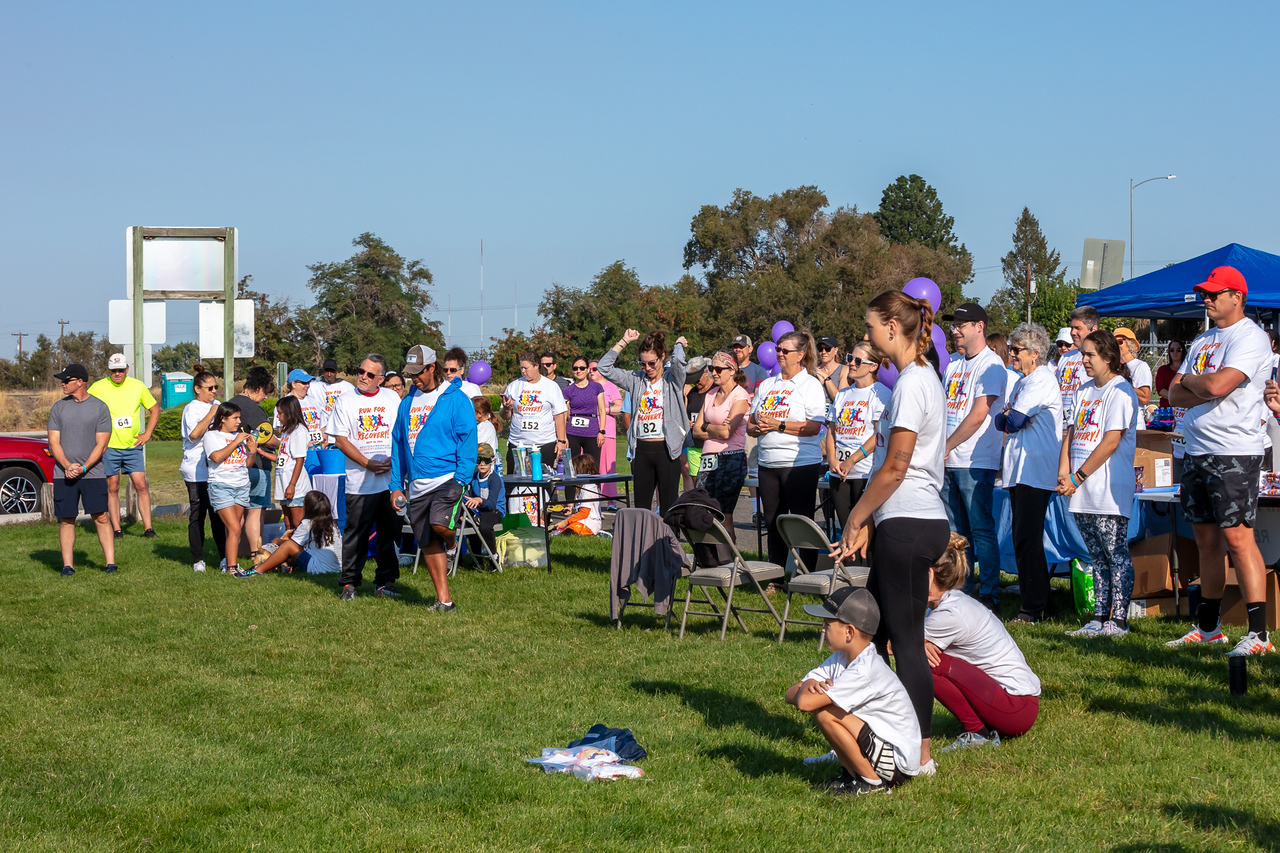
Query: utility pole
62,328
1028,293
20,336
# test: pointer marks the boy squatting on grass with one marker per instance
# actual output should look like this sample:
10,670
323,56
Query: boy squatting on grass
859,704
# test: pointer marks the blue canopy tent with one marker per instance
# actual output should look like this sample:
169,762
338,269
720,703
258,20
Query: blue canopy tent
1167,293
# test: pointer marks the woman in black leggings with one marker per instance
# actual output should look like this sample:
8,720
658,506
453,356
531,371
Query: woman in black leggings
904,497
659,422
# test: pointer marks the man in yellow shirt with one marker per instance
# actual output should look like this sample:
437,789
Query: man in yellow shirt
125,397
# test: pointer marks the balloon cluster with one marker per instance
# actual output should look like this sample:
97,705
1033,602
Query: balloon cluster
926,289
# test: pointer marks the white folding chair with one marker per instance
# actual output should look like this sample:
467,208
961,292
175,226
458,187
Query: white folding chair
801,532
468,524
729,576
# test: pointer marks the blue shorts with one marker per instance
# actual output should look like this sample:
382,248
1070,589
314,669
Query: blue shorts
260,488
297,501
124,460
222,496
69,495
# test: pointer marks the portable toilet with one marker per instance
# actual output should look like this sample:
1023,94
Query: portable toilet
176,388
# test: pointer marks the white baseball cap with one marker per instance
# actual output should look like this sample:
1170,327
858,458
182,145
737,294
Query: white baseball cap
1064,335
117,362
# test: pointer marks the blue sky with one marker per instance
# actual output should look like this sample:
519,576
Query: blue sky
568,136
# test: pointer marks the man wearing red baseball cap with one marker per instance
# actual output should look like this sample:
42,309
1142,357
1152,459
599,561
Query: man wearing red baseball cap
1221,384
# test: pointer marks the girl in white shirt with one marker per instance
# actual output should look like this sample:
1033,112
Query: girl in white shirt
904,497
979,673
315,545
585,519
230,453
850,442
292,482
1095,469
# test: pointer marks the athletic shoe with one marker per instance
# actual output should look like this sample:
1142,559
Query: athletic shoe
1251,644
1025,618
1195,635
989,602
406,560
67,571
149,533
111,568
119,534
820,759
844,778
1093,629
929,768
348,593
1112,629
386,591
247,573
969,739
441,607
198,566
222,567
857,788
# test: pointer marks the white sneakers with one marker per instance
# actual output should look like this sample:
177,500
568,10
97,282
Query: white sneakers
1251,644
198,566
1195,635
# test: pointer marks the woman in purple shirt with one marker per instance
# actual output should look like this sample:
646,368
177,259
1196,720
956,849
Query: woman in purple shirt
585,423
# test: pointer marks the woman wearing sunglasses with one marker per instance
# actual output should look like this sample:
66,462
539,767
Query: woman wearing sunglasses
851,429
830,372
787,415
722,425
196,418
658,421
585,431
1174,352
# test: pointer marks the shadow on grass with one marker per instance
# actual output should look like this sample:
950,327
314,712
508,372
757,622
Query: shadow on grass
1183,704
721,710
1262,832
755,761
52,559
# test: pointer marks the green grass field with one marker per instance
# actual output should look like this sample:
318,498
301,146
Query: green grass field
158,709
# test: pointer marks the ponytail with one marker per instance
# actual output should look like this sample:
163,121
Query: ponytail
914,316
952,567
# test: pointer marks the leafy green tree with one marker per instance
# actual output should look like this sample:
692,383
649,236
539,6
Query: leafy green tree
1031,249
175,357
1051,306
372,302
911,212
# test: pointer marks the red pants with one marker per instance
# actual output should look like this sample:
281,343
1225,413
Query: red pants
977,700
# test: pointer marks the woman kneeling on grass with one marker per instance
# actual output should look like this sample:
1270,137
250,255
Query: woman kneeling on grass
230,453
979,673
314,546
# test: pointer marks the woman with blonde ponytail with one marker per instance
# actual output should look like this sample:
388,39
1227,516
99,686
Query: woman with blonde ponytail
903,498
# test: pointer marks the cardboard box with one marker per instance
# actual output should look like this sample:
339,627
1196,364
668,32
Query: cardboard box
1152,577
1233,604
1156,468
1156,440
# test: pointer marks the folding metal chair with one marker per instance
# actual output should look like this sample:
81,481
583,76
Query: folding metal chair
800,532
730,577
468,525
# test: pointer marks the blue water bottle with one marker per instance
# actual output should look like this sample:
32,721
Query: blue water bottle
535,464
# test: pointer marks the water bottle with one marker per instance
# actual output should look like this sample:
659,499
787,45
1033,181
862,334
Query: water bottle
535,465
401,504
560,466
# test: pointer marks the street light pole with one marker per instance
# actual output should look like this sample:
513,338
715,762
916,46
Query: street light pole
1132,187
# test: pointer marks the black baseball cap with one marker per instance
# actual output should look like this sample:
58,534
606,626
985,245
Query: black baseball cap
72,371
329,364
827,341
969,312
850,605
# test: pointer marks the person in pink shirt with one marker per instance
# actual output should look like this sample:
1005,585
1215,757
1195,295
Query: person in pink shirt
722,424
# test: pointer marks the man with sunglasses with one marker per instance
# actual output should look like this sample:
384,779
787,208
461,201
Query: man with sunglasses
455,367
126,397
79,429
360,425
975,389
1222,385
547,361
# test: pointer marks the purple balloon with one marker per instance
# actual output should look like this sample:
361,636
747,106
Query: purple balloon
923,288
944,359
776,370
939,338
480,372
767,352
888,375
781,328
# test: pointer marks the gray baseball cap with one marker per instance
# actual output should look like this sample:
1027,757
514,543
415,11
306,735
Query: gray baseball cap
417,359
850,605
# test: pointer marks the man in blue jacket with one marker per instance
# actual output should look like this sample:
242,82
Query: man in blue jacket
433,458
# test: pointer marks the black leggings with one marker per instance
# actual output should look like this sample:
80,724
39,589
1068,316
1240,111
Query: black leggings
787,490
845,495
1029,506
653,468
906,548
198,497
578,445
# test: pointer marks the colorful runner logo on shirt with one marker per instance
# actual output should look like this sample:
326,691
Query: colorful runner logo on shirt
955,387
329,397
371,425
776,404
239,457
1088,429
1070,376
650,404
529,402
418,417
853,415
1204,359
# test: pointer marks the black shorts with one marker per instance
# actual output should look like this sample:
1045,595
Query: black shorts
1221,490
437,508
68,496
881,756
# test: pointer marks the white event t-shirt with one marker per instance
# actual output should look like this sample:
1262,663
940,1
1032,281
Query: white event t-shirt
1140,374
982,375
232,471
536,404
366,422
648,412
292,452
852,420
795,400
1070,375
916,404
323,559
312,416
1031,453
1114,406
194,469
324,396
1230,425
967,630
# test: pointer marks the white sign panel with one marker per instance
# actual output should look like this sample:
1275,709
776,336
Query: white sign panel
143,373
178,263
120,321
212,329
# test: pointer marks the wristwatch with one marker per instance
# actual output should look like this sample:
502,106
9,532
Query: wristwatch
782,426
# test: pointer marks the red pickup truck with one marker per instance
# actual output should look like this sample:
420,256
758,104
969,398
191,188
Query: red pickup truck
25,465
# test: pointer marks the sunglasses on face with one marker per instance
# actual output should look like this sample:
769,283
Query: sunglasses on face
1016,350
653,363
548,364
783,351
719,370
823,348
1061,345
859,362
453,370
119,370
576,368
368,373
